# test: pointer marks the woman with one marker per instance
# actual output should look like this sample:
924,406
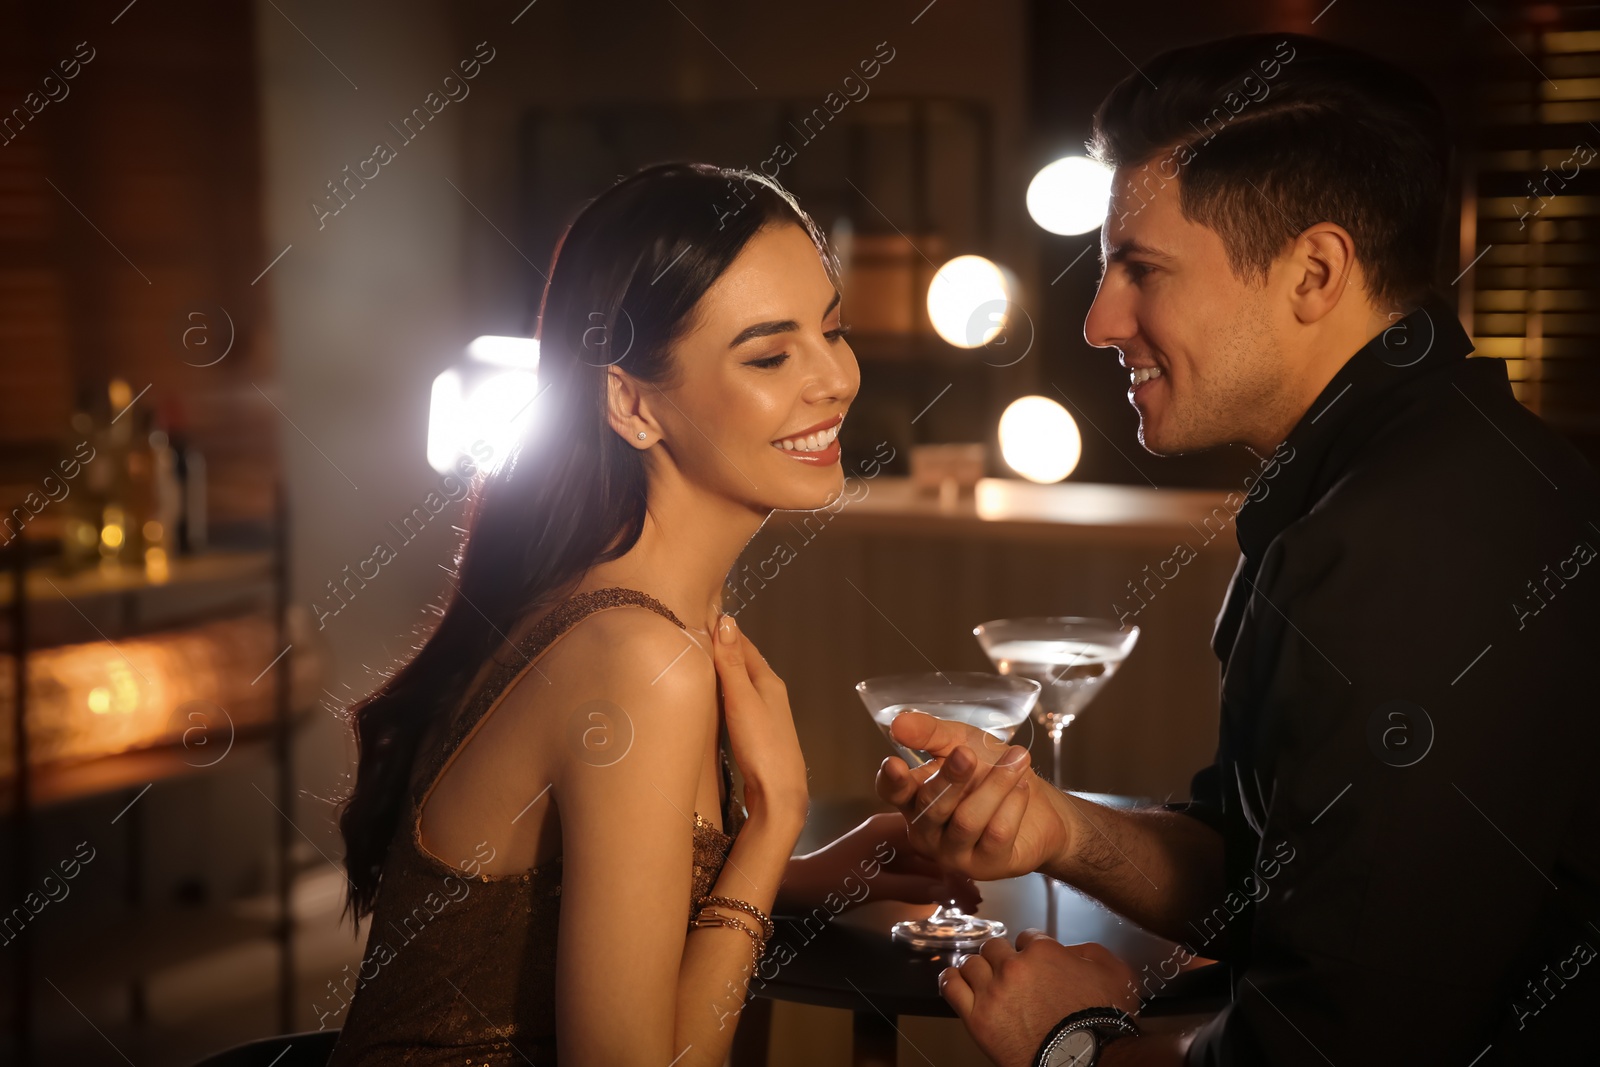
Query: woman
540,866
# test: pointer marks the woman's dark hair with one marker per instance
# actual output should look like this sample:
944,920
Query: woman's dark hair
624,282
1274,132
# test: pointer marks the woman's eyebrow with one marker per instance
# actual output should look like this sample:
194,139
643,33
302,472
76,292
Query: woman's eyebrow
767,329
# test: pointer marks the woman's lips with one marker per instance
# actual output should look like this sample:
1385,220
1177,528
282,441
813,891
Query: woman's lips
823,457
814,439
818,447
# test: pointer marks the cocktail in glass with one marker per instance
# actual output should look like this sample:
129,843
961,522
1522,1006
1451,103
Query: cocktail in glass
1072,657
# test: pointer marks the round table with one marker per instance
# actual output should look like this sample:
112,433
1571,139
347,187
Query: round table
848,960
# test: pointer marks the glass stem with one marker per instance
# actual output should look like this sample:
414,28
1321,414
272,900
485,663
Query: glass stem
1055,747
1049,883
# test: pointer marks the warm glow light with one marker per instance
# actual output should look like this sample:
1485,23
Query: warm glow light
1070,195
444,420
156,569
495,413
1039,439
95,699
519,352
968,300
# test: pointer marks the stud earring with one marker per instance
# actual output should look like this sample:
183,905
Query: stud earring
642,435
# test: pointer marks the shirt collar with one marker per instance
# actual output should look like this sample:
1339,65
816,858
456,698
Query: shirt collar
1428,339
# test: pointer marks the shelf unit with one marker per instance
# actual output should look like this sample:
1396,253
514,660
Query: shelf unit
213,586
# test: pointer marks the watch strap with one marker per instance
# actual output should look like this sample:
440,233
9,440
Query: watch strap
1107,1023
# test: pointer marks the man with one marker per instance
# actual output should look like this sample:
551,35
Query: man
1394,854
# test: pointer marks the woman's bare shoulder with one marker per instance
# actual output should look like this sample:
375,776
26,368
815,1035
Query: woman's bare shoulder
636,646
634,701
627,657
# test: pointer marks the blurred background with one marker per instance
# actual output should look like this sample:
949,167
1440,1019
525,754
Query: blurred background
262,263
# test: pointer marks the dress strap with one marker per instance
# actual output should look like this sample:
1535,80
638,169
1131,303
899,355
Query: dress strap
566,614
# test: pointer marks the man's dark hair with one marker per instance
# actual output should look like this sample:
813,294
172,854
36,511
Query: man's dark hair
1271,133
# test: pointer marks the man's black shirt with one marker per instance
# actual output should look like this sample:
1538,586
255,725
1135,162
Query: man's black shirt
1404,780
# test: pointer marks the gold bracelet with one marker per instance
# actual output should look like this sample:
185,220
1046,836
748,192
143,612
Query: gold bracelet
757,942
767,929
735,916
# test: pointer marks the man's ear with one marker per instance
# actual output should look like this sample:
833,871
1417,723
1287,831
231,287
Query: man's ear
1324,263
627,411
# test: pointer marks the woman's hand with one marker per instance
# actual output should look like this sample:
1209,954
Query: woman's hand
872,862
761,735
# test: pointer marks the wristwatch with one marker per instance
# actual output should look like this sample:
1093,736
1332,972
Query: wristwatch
1077,1040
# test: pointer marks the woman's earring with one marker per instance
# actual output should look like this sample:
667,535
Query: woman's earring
642,435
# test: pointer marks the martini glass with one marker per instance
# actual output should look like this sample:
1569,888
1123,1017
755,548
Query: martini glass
994,704
1071,657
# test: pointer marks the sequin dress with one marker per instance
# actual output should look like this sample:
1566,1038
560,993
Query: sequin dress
460,969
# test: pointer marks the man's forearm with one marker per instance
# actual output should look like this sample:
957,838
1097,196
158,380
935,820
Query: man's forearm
1161,869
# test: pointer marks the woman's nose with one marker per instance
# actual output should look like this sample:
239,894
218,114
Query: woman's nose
838,377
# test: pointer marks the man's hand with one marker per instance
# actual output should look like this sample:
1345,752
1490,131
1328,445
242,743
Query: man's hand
967,812
1010,998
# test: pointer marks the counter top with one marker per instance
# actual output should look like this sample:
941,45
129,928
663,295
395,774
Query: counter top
1007,507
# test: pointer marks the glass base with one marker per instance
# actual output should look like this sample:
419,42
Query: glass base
947,932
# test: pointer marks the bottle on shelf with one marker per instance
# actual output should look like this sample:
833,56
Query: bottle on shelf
138,504
82,506
159,530
112,440
189,468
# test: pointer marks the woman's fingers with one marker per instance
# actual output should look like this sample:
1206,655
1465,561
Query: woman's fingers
728,653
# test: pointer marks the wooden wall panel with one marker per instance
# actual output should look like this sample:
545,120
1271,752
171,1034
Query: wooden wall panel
126,203
860,598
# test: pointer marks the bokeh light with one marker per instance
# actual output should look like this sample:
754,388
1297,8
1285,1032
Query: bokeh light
1070,195
1039,439
968,301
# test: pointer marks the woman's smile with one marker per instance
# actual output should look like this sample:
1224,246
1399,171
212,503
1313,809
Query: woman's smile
815,445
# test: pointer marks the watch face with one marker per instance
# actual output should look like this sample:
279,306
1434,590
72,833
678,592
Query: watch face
1077,1049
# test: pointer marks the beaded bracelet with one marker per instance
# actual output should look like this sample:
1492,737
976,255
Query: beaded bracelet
757,942
767,928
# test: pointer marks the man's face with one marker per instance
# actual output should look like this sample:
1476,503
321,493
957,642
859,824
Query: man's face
1169,300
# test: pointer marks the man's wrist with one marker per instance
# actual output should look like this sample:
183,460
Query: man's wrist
1081,1038
1062,865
